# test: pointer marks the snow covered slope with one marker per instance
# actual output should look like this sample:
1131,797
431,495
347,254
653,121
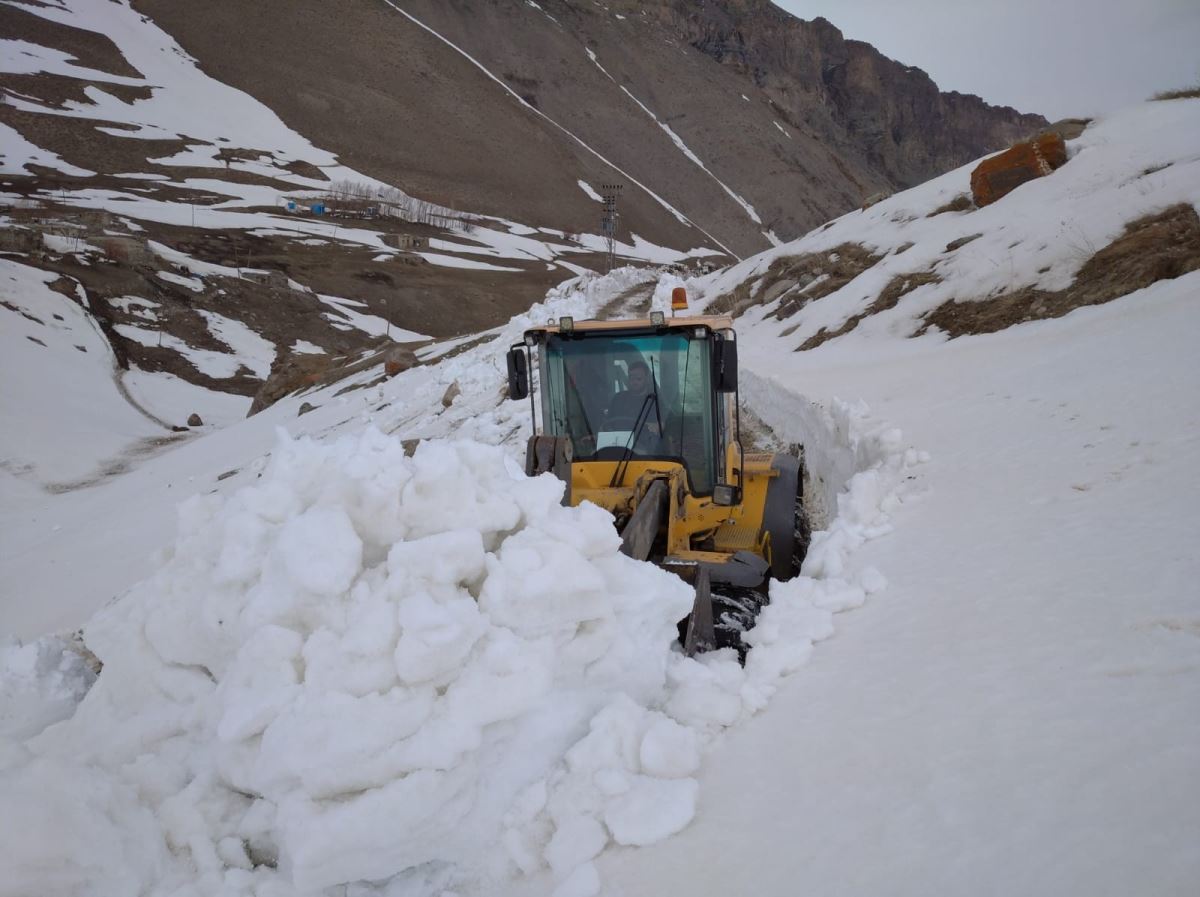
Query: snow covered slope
415,675
186,214
1018,711
222,129
898,263
62,410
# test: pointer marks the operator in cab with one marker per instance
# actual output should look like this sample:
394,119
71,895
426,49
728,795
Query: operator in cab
638,407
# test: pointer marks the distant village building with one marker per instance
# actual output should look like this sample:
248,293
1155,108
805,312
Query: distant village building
352,208
276,280
131,250
20,239
404,241
95,219
334,207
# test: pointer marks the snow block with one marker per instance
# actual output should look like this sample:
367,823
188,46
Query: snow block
995,177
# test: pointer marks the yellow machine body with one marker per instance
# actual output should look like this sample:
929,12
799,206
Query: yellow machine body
696,529
687,498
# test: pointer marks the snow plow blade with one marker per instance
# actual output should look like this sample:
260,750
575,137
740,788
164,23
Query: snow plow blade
638,535
637,538
700,635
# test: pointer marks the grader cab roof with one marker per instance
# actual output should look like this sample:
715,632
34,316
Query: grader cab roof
713,322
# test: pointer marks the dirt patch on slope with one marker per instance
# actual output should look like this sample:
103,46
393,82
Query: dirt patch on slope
89,48
78,142
960,203
146,291
1161,246
405,289
898,287
58,90
827,273
799,279
293,372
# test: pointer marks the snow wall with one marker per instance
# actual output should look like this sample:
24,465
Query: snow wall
416,671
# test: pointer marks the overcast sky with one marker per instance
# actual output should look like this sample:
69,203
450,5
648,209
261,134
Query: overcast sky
1061,58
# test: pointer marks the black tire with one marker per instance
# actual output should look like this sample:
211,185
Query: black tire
735,610
801,537
779,514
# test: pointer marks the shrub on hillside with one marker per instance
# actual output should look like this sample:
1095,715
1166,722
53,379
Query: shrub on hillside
1181,94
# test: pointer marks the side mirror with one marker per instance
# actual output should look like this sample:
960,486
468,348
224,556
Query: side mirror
725,365
518,373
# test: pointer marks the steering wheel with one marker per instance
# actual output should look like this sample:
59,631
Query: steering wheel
620,422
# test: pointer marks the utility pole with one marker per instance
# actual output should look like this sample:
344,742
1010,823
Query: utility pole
608,224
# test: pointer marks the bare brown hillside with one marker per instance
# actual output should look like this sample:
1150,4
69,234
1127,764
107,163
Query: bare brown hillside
798,122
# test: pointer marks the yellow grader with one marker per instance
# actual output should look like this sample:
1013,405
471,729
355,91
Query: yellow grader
641,418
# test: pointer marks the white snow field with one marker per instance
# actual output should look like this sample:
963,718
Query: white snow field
60,408
346,671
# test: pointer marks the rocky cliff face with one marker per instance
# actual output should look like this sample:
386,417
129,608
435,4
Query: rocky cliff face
854,96
728,121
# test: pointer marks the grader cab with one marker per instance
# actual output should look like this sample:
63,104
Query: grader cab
641,418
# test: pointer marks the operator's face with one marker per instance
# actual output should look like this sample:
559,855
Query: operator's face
638,380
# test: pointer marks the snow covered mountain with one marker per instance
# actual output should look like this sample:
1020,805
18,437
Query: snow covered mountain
367,656
209,239
216,235
731,124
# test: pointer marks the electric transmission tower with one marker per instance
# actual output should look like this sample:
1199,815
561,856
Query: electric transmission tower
608,224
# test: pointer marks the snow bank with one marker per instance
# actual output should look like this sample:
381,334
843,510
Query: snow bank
845,448
370,667
354,668
860,473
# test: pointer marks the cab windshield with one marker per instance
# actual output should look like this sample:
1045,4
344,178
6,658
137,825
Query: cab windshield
649,394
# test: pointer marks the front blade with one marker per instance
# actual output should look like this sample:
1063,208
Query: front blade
700,636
